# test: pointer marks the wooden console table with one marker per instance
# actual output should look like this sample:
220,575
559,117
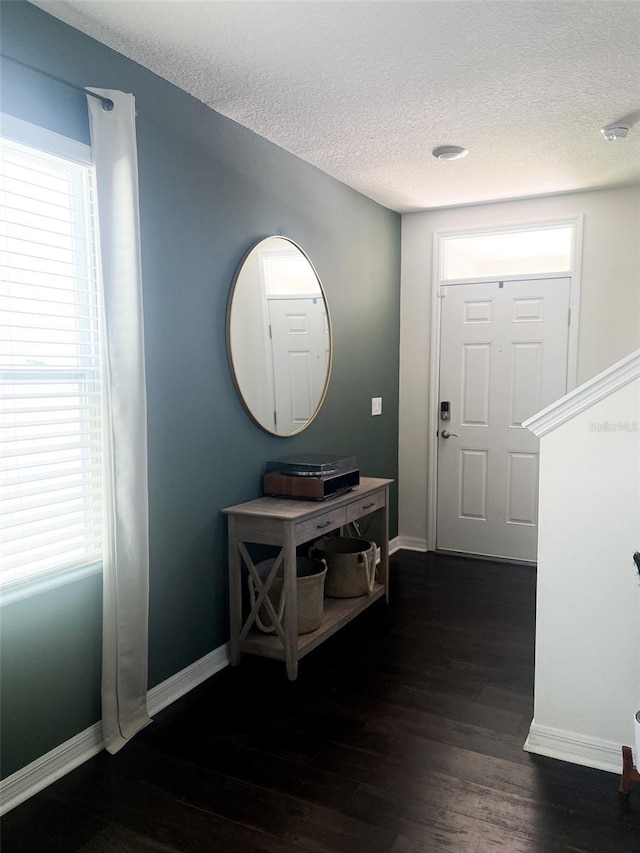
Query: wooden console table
287,523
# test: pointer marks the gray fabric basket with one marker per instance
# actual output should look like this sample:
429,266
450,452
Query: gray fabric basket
309,592
351,565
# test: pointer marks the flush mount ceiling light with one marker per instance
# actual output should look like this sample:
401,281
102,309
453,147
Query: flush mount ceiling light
449,152
614,131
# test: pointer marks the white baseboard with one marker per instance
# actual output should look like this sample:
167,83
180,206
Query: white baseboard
48,768
408,543
182,682
394,546
575,748
27,781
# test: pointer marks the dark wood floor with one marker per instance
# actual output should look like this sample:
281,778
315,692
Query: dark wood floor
403,734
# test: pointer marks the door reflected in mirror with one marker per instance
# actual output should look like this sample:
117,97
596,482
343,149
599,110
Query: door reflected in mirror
279,336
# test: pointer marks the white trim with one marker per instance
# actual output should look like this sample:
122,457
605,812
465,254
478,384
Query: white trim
182,682
487,558
394,545
588,394
575,277
409,543
48,768
434,394
575,748
575,292
21,588
491,279
44,140
27,781
510,227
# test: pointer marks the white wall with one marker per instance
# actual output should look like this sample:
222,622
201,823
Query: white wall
587,686
609,320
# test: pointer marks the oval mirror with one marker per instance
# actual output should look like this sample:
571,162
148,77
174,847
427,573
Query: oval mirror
279,336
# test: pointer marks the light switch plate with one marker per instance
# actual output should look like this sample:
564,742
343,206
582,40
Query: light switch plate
376,405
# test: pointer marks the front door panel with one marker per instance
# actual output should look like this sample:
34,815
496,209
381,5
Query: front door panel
503,358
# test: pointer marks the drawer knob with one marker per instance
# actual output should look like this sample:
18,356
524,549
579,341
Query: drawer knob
368,506
320,526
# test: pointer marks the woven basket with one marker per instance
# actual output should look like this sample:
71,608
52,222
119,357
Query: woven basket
351,565
309,592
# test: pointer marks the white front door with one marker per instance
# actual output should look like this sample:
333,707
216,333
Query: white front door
300,349
503,358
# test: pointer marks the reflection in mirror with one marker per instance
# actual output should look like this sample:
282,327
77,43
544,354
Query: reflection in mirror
279,336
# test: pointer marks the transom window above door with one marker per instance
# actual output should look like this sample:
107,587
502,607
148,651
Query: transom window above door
531,251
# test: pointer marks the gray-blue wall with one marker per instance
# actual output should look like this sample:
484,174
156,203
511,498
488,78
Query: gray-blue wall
209,189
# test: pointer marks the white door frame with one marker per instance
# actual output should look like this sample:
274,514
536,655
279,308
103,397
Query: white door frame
575,273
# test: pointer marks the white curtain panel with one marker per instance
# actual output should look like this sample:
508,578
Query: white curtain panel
126,528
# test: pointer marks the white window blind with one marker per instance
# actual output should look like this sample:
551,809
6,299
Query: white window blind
51,418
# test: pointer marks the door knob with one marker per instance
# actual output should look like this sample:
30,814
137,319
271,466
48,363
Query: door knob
446,434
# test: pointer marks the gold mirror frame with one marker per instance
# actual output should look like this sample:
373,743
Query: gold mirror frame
276,276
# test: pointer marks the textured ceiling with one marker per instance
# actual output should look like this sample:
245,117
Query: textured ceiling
365,90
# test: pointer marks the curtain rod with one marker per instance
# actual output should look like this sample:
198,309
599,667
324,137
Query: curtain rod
107,103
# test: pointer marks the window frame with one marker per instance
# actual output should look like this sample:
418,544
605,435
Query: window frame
42,139
552,225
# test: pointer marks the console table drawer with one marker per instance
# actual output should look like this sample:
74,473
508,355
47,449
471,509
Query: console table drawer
316,527
365,505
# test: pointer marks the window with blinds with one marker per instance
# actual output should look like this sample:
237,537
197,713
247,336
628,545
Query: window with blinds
51,416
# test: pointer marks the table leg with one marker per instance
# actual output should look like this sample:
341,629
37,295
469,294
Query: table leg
384,546
235,595
290,605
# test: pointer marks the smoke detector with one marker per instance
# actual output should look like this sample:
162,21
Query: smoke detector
614,131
